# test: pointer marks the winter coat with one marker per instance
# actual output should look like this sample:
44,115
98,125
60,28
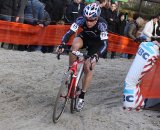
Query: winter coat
148,29
34,12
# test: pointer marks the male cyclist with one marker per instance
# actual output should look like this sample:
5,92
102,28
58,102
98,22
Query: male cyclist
93,37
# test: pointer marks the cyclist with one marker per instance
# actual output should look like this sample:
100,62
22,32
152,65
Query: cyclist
94,38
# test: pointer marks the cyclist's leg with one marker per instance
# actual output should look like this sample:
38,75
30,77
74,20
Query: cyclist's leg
88,74
76,45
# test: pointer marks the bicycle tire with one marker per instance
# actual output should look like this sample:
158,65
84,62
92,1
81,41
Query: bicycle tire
74,99
62,98
73,105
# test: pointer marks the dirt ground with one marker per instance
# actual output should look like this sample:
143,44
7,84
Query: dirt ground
29,83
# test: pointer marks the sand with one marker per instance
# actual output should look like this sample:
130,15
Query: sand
29,83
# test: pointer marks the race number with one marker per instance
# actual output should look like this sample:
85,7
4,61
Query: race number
104,35
74,27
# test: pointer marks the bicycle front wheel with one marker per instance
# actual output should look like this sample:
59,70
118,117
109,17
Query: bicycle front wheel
62,97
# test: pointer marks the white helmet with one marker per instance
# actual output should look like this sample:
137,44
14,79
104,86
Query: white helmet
92,11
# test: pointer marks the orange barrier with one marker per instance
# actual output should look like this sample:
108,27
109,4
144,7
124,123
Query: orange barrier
150,85
122,44
24,34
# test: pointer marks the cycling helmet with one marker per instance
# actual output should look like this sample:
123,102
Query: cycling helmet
92,11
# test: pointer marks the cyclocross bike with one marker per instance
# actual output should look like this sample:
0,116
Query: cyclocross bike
69,88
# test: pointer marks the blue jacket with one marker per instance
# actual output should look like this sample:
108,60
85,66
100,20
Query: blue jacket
34,12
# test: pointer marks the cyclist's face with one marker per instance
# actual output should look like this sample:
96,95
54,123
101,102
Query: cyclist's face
91,23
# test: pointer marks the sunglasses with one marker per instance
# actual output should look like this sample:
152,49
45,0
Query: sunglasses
91,20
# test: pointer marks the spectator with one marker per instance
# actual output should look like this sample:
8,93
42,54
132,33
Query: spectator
12,10
112,19
47,21
35,14
121,24
18,13
132,29
120,27
74,10
56,9
104,6
149,30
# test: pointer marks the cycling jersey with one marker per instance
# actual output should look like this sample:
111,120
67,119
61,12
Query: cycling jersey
95,38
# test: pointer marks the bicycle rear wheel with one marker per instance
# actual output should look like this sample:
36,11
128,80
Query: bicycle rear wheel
62,98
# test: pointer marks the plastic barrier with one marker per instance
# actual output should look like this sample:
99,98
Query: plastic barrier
146,56
23,34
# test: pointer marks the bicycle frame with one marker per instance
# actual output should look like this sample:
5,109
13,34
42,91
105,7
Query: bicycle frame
75,78
69,87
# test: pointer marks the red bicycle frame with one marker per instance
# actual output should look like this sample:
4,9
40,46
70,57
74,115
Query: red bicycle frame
75,78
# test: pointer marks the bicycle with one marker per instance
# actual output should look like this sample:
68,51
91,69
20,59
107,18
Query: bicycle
69,88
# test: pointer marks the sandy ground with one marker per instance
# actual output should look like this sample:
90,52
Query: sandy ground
29,83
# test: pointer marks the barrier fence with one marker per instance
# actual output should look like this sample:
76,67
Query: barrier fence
23,34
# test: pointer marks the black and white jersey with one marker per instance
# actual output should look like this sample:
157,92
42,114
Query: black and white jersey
97,32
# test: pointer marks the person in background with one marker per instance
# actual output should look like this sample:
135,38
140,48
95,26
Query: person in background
35,14
12,10
46,22
74,10
132,29
121,24
120,28
112,19
150,29
56,9
104,6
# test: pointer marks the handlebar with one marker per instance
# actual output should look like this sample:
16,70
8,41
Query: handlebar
78,54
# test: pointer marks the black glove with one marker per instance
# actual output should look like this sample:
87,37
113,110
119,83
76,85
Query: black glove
95,56
62,46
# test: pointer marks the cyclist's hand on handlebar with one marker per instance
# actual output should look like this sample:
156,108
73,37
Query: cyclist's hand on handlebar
60,48
94,58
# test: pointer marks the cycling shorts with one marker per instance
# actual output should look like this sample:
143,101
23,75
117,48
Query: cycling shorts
92,44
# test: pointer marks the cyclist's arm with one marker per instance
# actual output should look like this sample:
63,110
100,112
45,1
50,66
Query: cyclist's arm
104,43
103,48
103,37
74,27
70,32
